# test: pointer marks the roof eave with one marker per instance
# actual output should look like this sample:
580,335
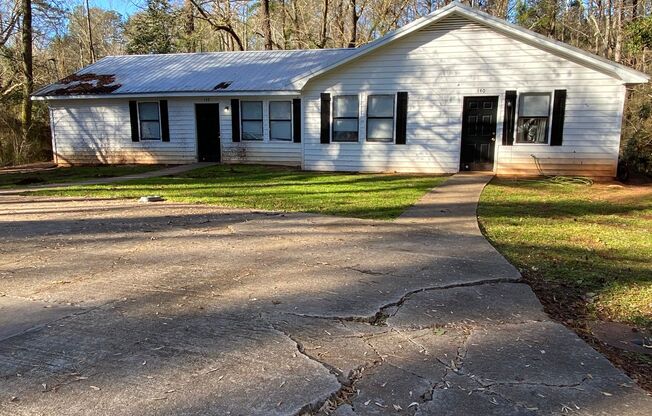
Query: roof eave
163,94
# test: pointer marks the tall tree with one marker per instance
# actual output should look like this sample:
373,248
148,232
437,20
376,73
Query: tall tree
28,71
267,26
91,49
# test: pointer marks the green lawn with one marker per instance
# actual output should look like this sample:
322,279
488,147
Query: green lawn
595,239
277,188
70,174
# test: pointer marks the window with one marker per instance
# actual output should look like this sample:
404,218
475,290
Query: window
149,119
345,118
380,118
280,120
533,118
252,120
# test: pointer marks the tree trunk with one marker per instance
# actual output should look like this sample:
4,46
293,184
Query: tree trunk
28,86
91,49
267,26
618,28
189,25
324,26
354,25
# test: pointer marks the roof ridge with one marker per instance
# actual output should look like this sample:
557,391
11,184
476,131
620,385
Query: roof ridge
229,52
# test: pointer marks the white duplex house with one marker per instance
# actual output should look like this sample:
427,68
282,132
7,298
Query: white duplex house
455,90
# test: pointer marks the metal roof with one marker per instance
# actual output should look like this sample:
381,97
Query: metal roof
217,72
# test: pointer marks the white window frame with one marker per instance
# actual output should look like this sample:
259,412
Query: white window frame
262,121
518,117
140,130
366,116
269,120
333,118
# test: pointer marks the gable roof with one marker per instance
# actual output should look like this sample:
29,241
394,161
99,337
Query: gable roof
278,71
178,74
618,71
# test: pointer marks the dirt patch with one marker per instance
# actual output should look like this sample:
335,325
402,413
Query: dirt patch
567,304
618,192
90,83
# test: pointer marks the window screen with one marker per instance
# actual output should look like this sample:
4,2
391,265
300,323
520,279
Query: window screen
150,124
251,114
380,118
280,120
345,118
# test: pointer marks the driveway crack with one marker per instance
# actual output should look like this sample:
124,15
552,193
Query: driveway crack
390,309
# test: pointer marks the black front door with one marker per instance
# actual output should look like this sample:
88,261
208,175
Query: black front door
208,132
478,133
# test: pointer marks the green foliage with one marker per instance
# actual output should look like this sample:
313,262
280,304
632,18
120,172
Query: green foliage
636,147
638,35
153,30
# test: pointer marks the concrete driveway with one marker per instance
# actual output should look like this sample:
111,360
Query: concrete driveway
118,308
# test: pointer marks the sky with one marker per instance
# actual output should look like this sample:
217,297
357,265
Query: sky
124,7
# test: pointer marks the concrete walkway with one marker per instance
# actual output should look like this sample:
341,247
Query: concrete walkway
174,170
169,309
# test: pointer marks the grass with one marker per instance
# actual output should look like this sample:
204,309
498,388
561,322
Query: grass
70,174
277,188
596,239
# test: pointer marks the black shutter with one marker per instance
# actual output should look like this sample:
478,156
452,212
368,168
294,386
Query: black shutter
509,118
296,119
133,119
558,114
165,125
401,117
235,120
325,135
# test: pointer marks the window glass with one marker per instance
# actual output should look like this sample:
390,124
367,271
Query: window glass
280,130
380,106
533,118
252,120
148,111
280,120
535,105
150,127
252,130
345,130
252,110
345,106
380,129
380,118
280,110
345,118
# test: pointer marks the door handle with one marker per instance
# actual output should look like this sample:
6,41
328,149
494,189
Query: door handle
493,139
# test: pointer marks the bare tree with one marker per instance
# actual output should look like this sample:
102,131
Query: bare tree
28,71
224,25
91,50
267,26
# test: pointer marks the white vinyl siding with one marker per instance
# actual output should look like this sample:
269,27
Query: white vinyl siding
98,131
441,64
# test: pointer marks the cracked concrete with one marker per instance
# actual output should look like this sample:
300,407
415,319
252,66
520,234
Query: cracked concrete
111,307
